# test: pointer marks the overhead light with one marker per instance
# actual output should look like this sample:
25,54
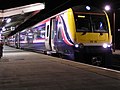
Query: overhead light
3,19
12,28
107,8
3,28
88,8
8,20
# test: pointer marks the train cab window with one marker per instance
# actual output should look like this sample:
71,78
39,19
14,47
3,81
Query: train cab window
82,23
99,23
91,23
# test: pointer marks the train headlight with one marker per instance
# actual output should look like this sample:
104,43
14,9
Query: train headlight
79,45
105,45
76,45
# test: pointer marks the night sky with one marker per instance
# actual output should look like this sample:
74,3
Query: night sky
4,4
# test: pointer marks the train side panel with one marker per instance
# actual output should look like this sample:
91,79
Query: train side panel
64,34
23,39
33,38
39,37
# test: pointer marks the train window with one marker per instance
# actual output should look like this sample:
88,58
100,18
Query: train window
91,23
83,23
99,23
22,37
42,32
39,32
53,28
47,30
29,37
59,34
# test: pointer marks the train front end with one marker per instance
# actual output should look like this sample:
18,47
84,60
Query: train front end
93,39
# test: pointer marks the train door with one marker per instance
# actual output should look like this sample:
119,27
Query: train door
53,28
48,36
17,41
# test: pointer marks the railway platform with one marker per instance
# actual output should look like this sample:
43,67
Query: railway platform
24,70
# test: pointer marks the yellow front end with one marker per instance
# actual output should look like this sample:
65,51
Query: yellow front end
93,31
90,34
92,39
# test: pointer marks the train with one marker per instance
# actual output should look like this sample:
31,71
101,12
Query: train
80,33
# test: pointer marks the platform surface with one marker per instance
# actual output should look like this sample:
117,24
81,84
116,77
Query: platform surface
24,70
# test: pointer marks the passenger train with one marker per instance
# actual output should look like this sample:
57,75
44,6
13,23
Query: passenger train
78,33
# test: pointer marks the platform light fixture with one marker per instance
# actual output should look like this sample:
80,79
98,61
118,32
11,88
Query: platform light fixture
3,28
88,8
8,20
107,7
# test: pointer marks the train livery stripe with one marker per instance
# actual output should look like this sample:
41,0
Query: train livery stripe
39,41
64,32
65,38
23,41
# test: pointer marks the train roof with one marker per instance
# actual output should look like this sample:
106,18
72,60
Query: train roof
78,8
85,8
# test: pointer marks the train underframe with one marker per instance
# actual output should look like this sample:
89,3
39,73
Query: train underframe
98,56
